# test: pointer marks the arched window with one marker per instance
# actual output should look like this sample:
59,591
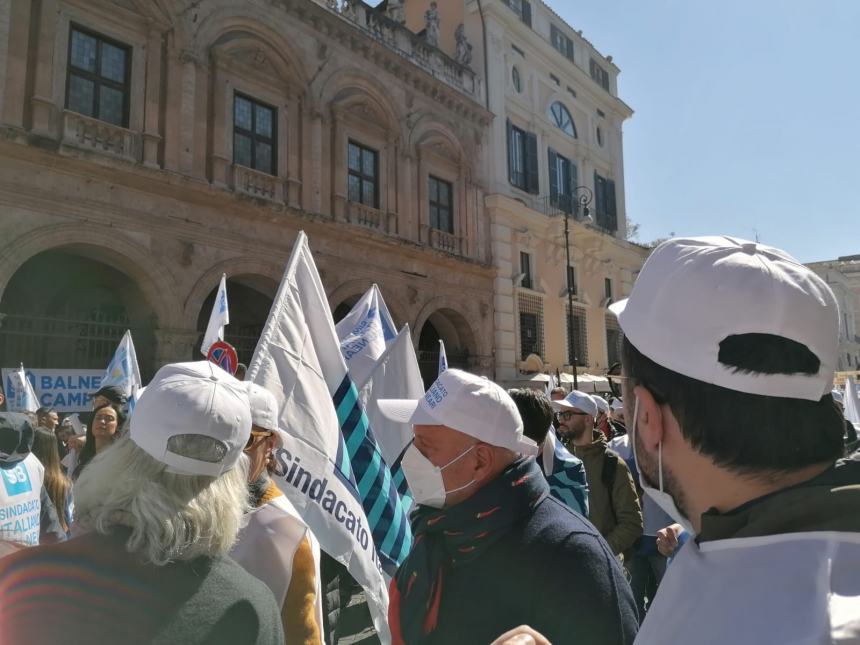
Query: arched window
515,78
561,117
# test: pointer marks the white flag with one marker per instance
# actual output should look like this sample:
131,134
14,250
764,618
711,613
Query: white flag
22,398
852,405
335,475
219,317
364,333
443,357
396,376
123,370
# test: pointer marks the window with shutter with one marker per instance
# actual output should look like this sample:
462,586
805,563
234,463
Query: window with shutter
518,162
527,12
526,270
531,149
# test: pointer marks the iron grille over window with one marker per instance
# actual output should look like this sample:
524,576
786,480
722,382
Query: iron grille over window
254,135
614,338
98,83
441,205
530,309
577,337
363,175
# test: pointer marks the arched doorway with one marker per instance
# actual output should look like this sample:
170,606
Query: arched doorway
340,312
249,298
454,331
64,308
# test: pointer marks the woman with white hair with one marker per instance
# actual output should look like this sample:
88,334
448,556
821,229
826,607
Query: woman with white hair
164,505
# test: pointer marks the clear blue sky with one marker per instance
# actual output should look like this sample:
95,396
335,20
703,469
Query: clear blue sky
747,116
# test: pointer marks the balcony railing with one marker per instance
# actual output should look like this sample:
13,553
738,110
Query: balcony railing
414,48
257,184
87,133
445,241
369,217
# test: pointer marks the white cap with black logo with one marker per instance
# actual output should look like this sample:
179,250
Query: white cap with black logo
193,417
694,293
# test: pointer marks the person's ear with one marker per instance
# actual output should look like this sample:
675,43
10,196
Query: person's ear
649,422
485,461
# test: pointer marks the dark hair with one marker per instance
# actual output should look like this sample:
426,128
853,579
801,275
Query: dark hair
56,482
535,411
747,433
44,411
89,449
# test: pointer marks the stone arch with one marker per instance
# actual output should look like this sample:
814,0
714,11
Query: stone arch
251,24
429,131
254,272
351,86
351,290
440,319
108,246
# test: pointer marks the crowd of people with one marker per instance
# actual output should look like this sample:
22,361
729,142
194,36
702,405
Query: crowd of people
715,498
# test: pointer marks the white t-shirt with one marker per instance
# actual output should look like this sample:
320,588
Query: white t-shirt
792,589
20,506
267,546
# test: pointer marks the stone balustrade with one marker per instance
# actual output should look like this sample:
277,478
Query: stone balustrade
86,133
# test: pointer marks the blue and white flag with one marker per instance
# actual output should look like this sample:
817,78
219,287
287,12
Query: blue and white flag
335,474
22,398
123,370
218,319
396,376
851,404
565,474
443,357
364,334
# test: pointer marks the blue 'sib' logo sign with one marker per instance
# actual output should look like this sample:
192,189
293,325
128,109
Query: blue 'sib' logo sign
17,480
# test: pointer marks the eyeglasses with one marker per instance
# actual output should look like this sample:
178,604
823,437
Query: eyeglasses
255,437
567,414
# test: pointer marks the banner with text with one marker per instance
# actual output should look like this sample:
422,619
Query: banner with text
65,390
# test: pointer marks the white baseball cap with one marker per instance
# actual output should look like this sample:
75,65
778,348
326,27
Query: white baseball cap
264,406
837,395
601,403
576,400
617,405
193,417
470,404
693,293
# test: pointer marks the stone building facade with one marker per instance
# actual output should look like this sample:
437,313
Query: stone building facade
843,277
556,142
148,146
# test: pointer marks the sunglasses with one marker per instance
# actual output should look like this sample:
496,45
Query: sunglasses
569,413
255,437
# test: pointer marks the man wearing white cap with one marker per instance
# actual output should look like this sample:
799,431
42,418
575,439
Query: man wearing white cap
164,505
276,545
729,353
613,505
493,548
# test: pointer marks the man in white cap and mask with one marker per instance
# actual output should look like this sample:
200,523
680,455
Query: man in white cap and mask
493,549
613,505
729,353
163,506
276,545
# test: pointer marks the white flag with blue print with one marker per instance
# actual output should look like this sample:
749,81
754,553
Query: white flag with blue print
334,472
123,371
443,357
396,376
218,319
851,406
21,397
364,334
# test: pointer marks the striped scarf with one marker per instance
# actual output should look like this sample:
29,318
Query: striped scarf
452,537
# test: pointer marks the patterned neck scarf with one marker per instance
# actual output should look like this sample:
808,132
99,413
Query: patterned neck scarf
452,537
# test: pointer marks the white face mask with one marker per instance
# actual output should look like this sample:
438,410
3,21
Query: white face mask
663,499
425,479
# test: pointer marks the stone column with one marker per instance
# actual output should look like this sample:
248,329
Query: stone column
44,121
152,111
175,345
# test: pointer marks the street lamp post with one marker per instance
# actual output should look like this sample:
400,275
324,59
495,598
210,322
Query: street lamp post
582,196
